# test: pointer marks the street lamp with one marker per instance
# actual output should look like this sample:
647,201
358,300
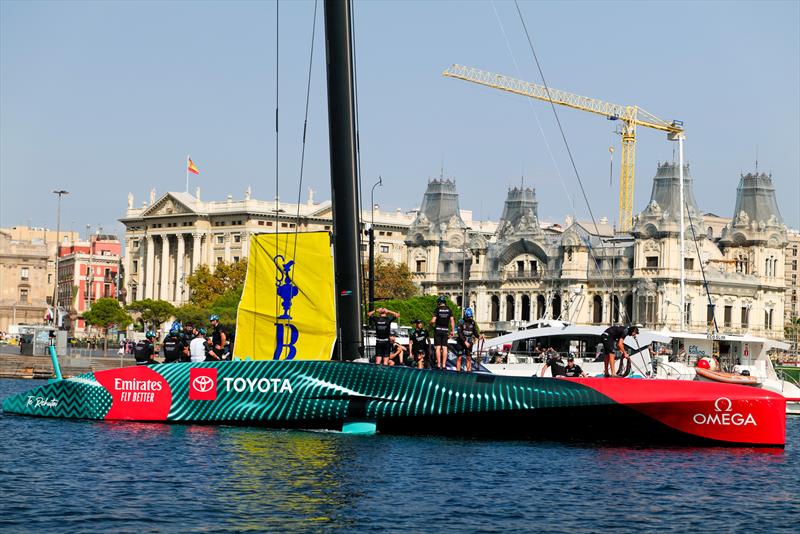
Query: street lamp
371,236
60,193
464,274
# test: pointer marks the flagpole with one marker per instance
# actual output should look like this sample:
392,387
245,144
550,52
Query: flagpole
187,174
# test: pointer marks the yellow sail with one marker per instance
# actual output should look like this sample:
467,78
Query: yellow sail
287,311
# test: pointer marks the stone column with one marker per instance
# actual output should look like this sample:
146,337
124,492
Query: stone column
227,256
127,262
211,259
518,306
164,293
196,244
149,269
502,307
181,260
245,244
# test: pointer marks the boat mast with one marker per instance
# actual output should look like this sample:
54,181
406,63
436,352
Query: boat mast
344,178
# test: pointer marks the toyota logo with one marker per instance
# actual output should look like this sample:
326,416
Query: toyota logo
202,383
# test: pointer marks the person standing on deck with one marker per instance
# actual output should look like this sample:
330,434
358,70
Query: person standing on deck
218,339
418,344
443,321
197,348
383,328
612,339
467,332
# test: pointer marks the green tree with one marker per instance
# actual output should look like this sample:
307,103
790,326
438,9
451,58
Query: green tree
207,287
392,280
191,314
152,312
105,313
227,306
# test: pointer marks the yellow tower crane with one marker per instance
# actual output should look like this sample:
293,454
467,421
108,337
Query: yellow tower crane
631,117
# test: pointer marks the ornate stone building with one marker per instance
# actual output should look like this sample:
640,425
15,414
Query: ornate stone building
168,238
588,274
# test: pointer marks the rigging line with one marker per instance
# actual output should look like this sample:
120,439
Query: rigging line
277,137
702,269
566,144
364,303
305,130
533,110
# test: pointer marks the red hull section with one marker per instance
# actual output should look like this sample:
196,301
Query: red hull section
722,412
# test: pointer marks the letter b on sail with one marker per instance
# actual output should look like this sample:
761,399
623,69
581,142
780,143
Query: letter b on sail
281,342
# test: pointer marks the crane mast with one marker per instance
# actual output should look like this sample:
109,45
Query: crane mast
630,116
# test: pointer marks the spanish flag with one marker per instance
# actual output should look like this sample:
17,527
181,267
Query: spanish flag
192,169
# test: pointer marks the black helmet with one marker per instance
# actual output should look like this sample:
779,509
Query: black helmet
633,330
441,300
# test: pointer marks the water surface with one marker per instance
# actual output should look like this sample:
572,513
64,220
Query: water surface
63,475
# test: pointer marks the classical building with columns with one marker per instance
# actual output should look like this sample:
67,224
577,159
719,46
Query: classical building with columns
587,273
169,237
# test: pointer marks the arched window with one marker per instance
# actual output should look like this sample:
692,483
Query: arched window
540,306
615,309
526,308
509,307
495,308
710,233
597,309
556,306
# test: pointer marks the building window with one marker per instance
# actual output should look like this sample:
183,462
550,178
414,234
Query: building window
261,223
520,267
284,225
49,278
768,319
135,266
220,239
23,295
384,249
710,233
219,260
651,262
327,227
446,267
381,233
237,238
420,266
794,251
745,315
235,259
728,316
794,265
688,264
687,313
388,233
24,273
710,314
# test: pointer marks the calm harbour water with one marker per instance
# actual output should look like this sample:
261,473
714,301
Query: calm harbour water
61,475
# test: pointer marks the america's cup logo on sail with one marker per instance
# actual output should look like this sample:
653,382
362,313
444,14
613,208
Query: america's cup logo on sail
724,415
287,291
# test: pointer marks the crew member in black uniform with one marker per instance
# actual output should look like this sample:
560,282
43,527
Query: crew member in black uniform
573,370
189,333
553,362
217,349
418,345
383,328
144,351
465,339
612,339
173,344
444,324
396,351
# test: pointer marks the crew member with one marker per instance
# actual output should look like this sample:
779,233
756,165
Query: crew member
553,362
217,348
573,370
396,351
612,339
197,348
418,345
383,328
144,351
443,322
173,345
189,333
467,332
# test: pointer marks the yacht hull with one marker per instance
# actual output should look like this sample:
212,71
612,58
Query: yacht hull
328,395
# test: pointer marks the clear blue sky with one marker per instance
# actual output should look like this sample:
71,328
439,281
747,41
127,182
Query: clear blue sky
102,98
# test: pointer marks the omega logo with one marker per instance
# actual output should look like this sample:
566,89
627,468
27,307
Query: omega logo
723,407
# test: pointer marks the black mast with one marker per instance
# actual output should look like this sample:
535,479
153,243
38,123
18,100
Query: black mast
344,178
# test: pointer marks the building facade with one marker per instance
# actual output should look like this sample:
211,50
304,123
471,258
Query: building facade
167,239
87,271
23,282
585,273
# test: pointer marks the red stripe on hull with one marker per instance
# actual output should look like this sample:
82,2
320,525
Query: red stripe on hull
722,412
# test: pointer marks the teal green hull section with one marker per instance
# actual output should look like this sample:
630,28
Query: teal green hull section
292,394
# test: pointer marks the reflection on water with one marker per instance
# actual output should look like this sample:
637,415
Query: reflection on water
60,475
